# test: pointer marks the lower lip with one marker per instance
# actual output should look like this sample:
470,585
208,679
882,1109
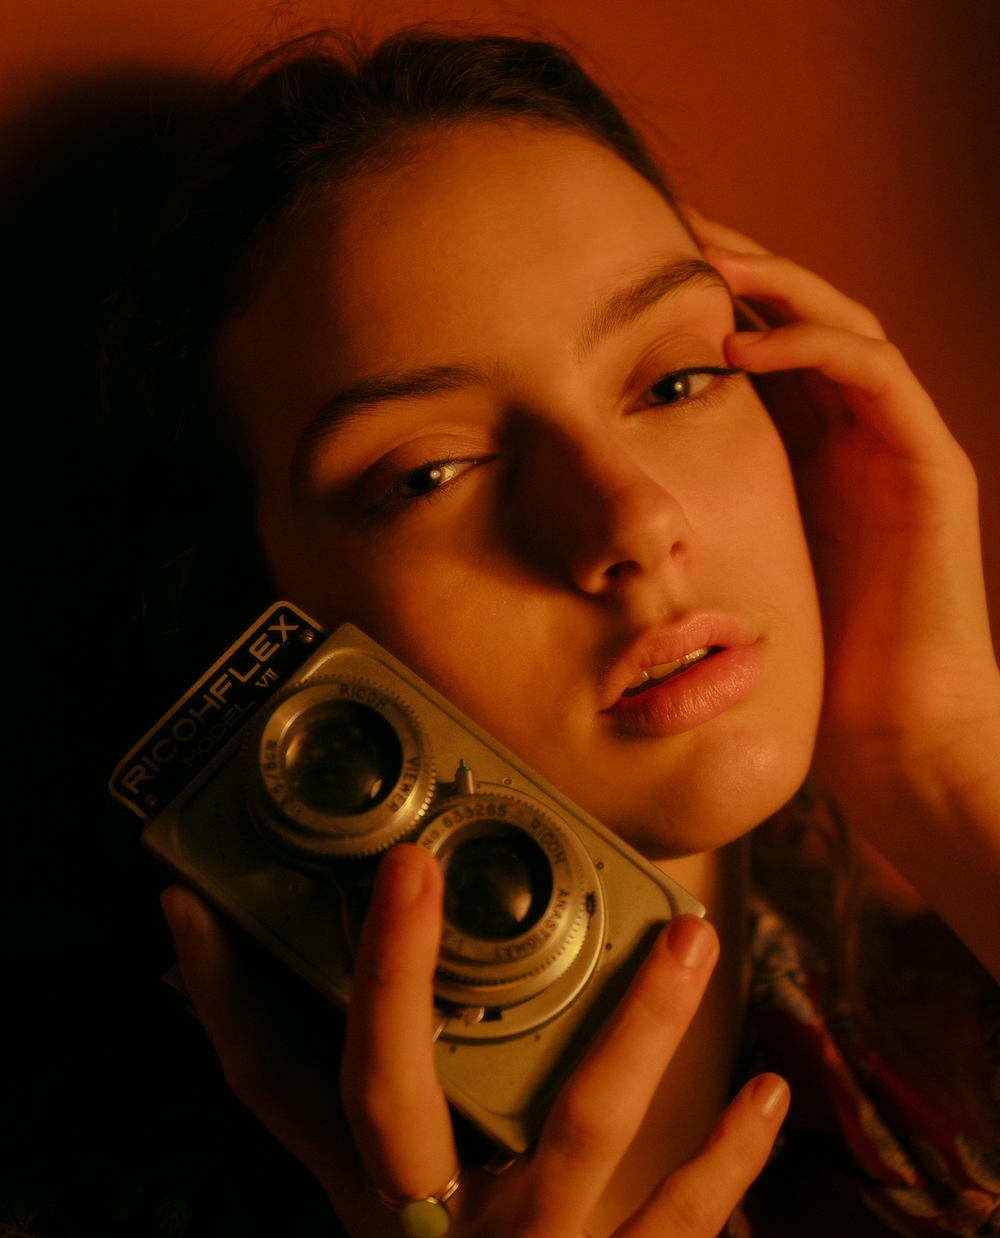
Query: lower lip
695,696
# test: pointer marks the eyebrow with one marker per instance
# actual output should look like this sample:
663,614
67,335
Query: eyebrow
610,316
357,400
629,303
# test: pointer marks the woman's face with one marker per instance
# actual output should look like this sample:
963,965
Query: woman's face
467,396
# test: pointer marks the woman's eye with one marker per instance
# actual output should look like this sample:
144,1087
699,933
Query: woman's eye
430,477
684,385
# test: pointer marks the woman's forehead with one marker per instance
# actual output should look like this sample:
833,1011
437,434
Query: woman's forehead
488,241
494,205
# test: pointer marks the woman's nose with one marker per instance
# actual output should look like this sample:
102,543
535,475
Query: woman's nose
592,512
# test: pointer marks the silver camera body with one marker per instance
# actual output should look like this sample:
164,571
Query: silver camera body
289,794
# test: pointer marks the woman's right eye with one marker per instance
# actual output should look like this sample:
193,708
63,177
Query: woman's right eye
428,478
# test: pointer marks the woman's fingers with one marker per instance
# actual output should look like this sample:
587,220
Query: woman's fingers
696,1200
263,1056
711,233
599,1111
398,1116
397,1111
779,286
787,292
873,380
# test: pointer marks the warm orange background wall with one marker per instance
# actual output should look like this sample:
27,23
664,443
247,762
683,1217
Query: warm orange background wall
857,136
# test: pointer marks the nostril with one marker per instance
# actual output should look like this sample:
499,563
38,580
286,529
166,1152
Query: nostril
623,570
612,524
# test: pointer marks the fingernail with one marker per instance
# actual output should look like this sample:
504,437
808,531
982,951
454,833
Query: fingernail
401,880
746,337
689,939
769,1093
722,253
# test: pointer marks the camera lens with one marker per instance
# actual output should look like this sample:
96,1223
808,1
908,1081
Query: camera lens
342,759
338,768
496,887
519,897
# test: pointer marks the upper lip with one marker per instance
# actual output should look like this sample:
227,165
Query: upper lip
653,648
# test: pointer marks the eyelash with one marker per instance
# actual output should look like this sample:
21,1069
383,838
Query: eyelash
676,376
385,505
673,378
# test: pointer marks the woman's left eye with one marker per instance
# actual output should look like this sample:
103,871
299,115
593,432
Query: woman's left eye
684,385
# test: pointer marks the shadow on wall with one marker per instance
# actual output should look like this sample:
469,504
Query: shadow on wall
117,1118
86,168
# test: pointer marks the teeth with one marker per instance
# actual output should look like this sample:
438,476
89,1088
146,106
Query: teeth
658,672
667,668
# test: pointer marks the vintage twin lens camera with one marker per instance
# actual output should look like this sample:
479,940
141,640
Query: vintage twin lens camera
276,782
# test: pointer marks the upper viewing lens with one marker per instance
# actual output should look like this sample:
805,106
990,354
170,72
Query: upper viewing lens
343,759
496,887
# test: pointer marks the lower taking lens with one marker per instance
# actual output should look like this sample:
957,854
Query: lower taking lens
497,886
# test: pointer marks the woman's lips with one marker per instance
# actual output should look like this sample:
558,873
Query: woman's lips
679,702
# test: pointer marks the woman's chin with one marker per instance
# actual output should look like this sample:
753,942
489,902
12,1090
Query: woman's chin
673,842
702,813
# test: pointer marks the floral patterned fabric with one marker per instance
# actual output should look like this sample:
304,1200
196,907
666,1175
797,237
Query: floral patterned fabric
875,1143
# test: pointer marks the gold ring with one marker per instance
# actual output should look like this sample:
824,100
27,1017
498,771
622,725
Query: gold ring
426,1217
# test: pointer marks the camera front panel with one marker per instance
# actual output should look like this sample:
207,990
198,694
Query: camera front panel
547,913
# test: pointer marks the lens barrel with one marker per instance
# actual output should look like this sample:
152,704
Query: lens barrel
516,887
338,769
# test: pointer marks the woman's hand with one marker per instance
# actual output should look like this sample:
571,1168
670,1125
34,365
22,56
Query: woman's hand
393,1125
909,741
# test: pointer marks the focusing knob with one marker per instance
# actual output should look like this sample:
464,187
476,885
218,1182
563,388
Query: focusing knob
515,904
338,768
